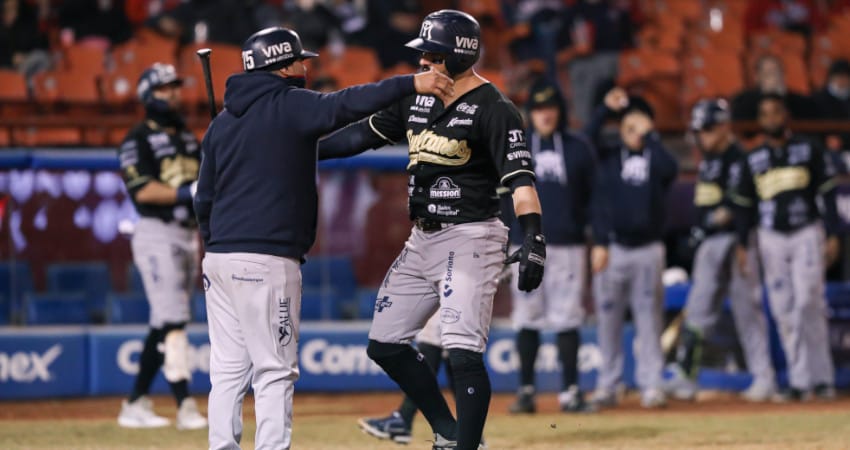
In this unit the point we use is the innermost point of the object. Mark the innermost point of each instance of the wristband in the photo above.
(530, 223)
(184, 194)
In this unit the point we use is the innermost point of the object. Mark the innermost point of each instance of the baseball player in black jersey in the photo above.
(715, 273)
(781, 183)
(462, 147)
(159, 160)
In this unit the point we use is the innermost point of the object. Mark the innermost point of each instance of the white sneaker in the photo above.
(653, 398)
(188, 416)
(680, 386)
(139, 414)
(759, 391)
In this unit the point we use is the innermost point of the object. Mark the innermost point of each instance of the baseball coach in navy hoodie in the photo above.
(256, 206)
(628, 210)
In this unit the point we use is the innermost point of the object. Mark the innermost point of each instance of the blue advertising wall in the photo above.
(80, 361)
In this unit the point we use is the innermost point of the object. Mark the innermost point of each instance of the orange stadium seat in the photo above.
(356, 65)
(46, 136)
(641, 65)
(494, 76)
(778, 42)
(119, 87)
(13, 86)
(722, 40)
(116, 136)
(711, 74)
(84, 59)
(796, 73)
(45, 87)
(137, 55)
(5, 137)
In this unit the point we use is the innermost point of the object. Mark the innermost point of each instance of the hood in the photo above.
(544, 93)
(243, 89)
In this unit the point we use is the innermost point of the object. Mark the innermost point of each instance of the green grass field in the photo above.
(328, 423)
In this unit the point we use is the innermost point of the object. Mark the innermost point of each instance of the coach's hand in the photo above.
(531, 257)
(598, 258)
(434, 83)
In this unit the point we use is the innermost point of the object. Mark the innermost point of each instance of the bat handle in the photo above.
(204, 55)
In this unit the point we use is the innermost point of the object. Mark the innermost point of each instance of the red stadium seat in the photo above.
(119, 87)
(13, 86)
(47, 136)
(136, 55)
(356, 65)
(84, 59)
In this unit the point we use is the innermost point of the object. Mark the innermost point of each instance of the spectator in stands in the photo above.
(389, 22)
(833, 101)
(769, 79)
(540, 29)
(799, 16)
(221, 21)
(98, 22)
(599, 30)
(314, 21)
(23, 46)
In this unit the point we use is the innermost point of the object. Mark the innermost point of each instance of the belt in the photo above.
(430, 225)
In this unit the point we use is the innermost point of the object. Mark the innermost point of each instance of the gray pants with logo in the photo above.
(253, 309)
(632, 279)
(557, 304)
(794, 273)
(454, 270)
(167, 258)
(717, 274)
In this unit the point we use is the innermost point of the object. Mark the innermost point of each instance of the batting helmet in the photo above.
(272, 49)
(454, 34)
(155, 76)
(708, 113)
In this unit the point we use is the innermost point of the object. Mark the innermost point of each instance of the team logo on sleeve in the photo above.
(445, 188)
(516, 138)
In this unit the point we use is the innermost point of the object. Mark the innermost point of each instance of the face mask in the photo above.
(776, 133)
(162, 113)
(298, 82)
(839, 93)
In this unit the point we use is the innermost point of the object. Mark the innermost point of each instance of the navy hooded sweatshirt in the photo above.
(257, 184)
(631, 187)
(564, 165)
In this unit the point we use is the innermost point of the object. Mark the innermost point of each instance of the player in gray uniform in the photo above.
(159, 161)
(257, 209)
(715, 273)
(783, 181)
(628, 213)
(564, 164)
(462, 147)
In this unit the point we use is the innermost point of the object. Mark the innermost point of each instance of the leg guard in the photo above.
(472, 392)
(176, 349)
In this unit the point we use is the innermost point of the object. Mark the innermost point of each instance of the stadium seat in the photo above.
(134, 279)
(13, 87)
(129, 307)
(199, 307)
(54, 308)
(84, 59)
(141, 52)
(336, 272)
(366, 303)
(47, 136)
(91, 278)
(324, 304)
(119, 87)
(15, 283)
(364, 59)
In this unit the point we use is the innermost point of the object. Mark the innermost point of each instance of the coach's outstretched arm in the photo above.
(323, 113)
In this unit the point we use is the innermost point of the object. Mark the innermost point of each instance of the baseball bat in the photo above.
(204, 55)
(671, 333)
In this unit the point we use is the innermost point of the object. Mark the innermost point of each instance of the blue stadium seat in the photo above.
(199, 307)
(131, 307)
(15, 283)
(322, 304)
(91, 278)
(336, 272)
(5, 310)
(54, 308)
(366, 303)
(134, 279)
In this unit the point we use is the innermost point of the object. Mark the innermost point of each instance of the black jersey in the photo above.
(148, 153)
(718, 173)
(780, 187)
(458, 155)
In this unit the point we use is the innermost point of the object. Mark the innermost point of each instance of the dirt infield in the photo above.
(328, 422)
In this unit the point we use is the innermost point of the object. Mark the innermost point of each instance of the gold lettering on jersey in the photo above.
(430, 147)
(776, 181)
(707, 194)
(178, 170)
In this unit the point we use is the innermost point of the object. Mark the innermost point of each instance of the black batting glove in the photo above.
(532, 255)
